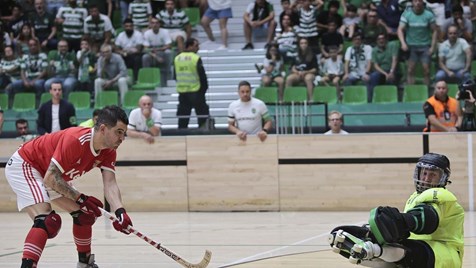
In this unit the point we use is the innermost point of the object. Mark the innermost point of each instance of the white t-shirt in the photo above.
(137, 121)
(127, 43)
(248, 115)
(219, 4)
(159, 39)
(332, 133)
(358, 61)
(55, 124)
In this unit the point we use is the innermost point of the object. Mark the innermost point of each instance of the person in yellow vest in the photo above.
(192, 85)
(428, 233)
(442, 112)
(92, 121)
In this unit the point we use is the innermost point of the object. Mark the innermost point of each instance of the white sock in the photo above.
(392, 254)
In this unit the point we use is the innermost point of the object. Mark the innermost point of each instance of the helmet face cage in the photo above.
(428, 176)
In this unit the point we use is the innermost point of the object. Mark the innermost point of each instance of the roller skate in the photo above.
(352, 247)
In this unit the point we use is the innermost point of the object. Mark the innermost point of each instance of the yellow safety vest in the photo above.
(186, 72)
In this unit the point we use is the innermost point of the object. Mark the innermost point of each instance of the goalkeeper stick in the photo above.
(204, 263)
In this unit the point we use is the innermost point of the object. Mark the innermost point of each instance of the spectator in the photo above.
(192, 85)
(140, 11)
(86, 66)
(105, 6)
(332, 70)
(176, 22)
(331, 38)
(289, 11)
(92, 121)
(71, 18)
(44, 26)
(248, 115)
(34, 67)
(417, 33)
(5, 39)
(221, 10)
(438, 8)
(22, 127)
(56, 114)
(258, 15)
(442, 112)
(98, 28)
(287, 40)
(372, 28)
(331, 14)
(129, 45)
(16, 21)
(111, 72)
(304, 69)
(463, 25)
(389, 15)
(351, 22)
(273, 67)
(469, 9)
(157, 45)
(308, 25)
(9, 71)
(385, 64)
(334, 121)
(357, 62)
(62, 69)
(21, 41)
(454, 58)
(145, 122)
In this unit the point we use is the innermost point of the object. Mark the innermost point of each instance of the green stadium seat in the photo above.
(325, 94)
(148, 79)
(81, 100)
(452, 90)
(295, 94)
(193, 14)
(268, 95)
(385, 94)
(23, 102)
(3, 101)
(131, 99)
(415, 93)
(105, 98)
(354, 95)
(45, 96)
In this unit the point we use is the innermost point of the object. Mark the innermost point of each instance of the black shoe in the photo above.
(258, 68)
(248, 46)
(267, 45)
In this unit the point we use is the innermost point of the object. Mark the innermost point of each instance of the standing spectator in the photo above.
(372, 28)
(463, 25)
(71, 18)
(124, 7)
(258, 15)
(304, 69)
(9, 71)
(44, 26)
(111, 71)
(389, 15)
(53, 161)
(86, 66)
(248, 115)
(332, 70)
(331, 14)
(34, 67)
(334, 121)
(62, 69)
(221, 10)
(145, 122)
(454, 58)
(385, 64)
(140, 11)
(351, 22)
(289, 11)
(442, 112)
(176, 22)
(129, 45)
(56, 114)
(357, 62)
(97, 28)
(157, 45)
(308, 25)
(287, 40)
(192, 85)
(273, 67)
(331, 38)
(418, 33)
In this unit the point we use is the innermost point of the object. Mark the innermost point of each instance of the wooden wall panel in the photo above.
(164, 148)
(226, 174)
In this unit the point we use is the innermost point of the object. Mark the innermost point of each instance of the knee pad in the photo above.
(83, 219)
(51, 223)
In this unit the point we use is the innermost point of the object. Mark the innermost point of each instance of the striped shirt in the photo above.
(308, 22)
(34, 65)
(140, 12)
(287, 41)
(97, 30)
(176, 21)
(73, 25)
(8, 66)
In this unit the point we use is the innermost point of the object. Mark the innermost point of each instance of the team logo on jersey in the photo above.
(79, 161)
(253, 110)
(74, 174)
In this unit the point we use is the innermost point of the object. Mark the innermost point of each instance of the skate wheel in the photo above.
(357, 249)
(335, 249)
(340, 238)
(330, 239)
(354, 260)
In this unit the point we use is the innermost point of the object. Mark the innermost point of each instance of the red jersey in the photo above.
(70, 149)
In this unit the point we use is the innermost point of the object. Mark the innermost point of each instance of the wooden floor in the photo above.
(241, 240)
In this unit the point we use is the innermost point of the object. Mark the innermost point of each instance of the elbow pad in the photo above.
(422, 219)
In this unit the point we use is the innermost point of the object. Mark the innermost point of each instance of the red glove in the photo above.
(89, 204)
(124, 221)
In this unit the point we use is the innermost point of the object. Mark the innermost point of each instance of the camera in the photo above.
(463, 87)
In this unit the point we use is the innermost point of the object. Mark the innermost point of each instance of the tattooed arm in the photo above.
(54, 180)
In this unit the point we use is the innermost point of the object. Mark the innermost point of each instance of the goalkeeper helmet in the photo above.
(431, 171)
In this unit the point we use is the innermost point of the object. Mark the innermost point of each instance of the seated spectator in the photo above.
(248, 115)
(9, 71)
(5, 39)
(145, 122)
(385, 64)
(331, 14)
(332, 70)
(176, 22)
(334, 121)
(351, 22)
(44, 25)
(221, 10)
(98, 28)
(442, 112)
(111, 72)
(454, 58)
(290, 11)
(62, 69)
(308, 25)
(258, 15)
(33, 67)
(71, 18)
(92, 121)
(464, 26)
(22, 127)
(304, 69)
(140, 11)
(129, 45)
(287, 40)
(273, 69)
(357, 64)
(333, 39)
(56, 114)
(86, 67)
(16, 21)
(389, 13)
(157, 45)
(372, 28)
(21, 41)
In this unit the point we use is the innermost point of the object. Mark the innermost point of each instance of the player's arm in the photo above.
(55, 181)
(113, 196)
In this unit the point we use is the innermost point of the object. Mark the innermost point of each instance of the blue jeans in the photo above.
(459, 75)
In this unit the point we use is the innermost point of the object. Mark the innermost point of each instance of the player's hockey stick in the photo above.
(204, 263)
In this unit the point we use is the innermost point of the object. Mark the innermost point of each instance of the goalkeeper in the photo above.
(428, 233)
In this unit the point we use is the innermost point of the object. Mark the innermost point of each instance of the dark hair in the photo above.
(190, 42)
(109, 116)
(244, 83)
(96, 112)
(128, 20)
(21, 121)
(306, 55)
(91, 6)
(457, 8)
(333, 3)
(351, 8)
(268, 54)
